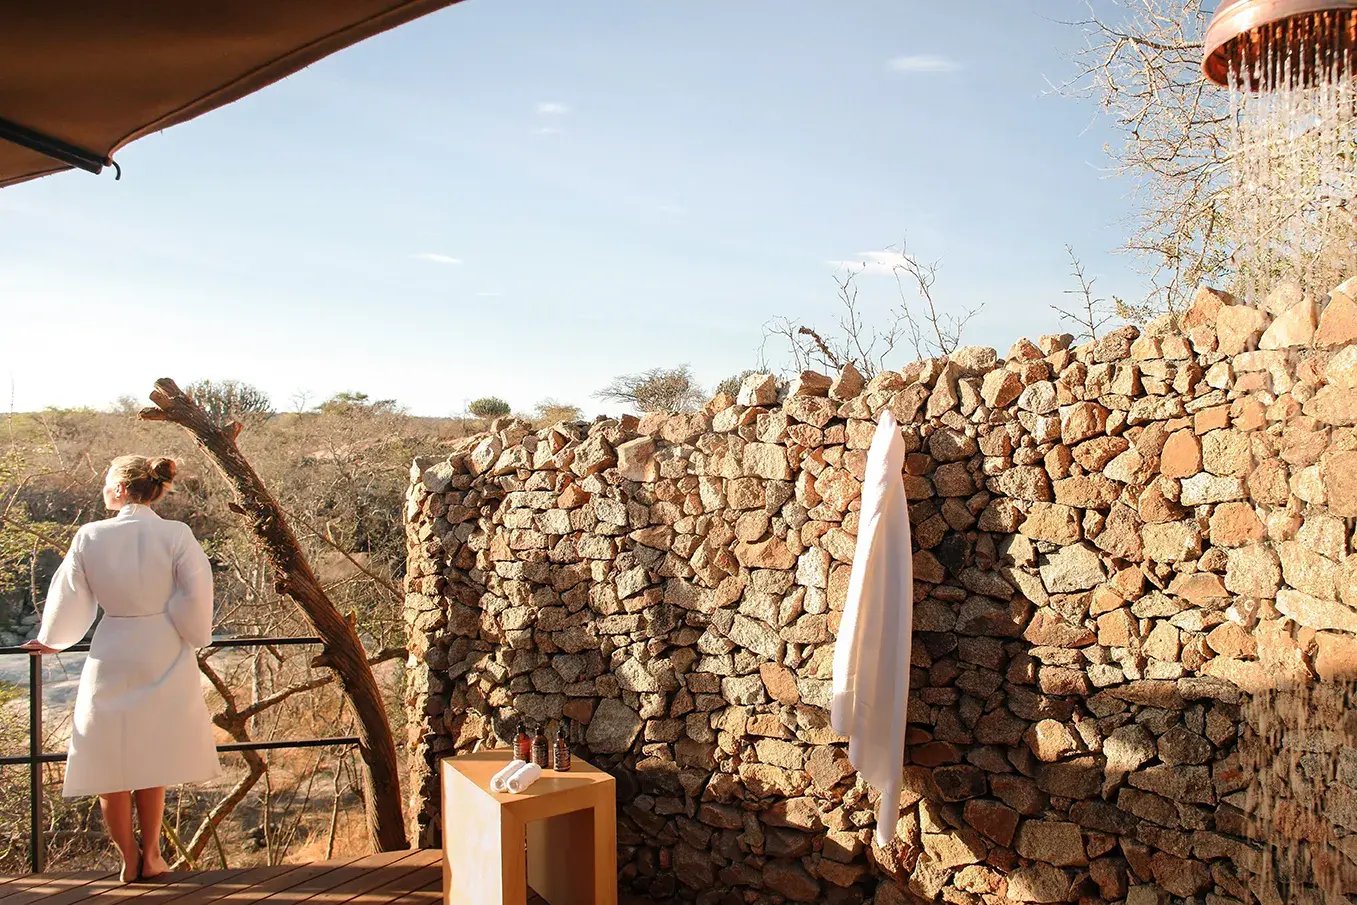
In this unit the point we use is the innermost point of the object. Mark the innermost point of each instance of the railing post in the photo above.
(34, 765)
(35, 757)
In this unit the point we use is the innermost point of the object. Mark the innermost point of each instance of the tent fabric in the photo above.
(99, 75)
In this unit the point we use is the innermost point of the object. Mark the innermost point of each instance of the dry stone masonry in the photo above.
(1117, 545)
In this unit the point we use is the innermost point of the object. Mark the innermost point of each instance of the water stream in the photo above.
(1292, 223)
(1292, 161)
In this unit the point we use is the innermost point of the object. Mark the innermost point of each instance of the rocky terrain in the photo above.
(1118, 544)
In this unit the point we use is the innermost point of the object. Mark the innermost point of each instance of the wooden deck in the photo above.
(391, 878)
(406, 877)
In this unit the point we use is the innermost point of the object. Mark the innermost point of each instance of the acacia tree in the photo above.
(1142, 64)
(553, 411)
(349, 402)
(23, 539)
(656, 390)
(230, 400)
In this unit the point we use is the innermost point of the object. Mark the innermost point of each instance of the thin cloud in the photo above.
(552, 108)
(873, 262)
(436, 258)
(489, 295)
(548, 130)
(657, 204)
(923, 62)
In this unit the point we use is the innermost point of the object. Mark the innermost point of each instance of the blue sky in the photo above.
(527, 198)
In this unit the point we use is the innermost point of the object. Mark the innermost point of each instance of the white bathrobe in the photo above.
(871, 657)
(140, 720)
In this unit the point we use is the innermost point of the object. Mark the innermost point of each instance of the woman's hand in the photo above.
(37, 648)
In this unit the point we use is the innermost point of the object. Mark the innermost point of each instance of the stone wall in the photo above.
(1116, 544)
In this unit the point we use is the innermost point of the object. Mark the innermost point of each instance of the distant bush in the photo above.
(656, 390)
(553, 411)
(488, 407)
(351, 403)
(731, 384)
(228, 400)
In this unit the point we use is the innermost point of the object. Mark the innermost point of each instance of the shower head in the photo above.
(1317, 38)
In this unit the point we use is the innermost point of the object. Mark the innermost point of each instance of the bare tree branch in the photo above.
(866, 343)
(946, 328)
(278, 697)
(294, 577)
(329, 542)
(1092, 313)
(1144, 71)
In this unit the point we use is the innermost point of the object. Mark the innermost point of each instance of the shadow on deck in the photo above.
(390, 878)
(407, 877)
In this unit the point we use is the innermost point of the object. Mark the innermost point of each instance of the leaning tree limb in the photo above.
(343, 651)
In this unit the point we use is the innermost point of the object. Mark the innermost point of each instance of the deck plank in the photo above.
(76, 894)
(407, 877)
(240, 885)
(381, 884)
(32, 887)
(155, 892)
(368, 875)
(259, 883)
(336, 876)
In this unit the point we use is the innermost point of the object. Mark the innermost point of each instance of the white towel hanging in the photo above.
(871, 656)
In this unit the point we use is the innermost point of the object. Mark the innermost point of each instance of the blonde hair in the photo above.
(145, 479)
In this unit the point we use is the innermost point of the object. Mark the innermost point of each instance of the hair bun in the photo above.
(163, 469)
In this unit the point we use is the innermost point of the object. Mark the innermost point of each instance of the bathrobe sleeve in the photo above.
(70, 608)
(190, 607)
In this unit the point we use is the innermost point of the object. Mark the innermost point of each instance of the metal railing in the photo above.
(36, 757)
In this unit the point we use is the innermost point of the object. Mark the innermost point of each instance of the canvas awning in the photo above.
(80, 79)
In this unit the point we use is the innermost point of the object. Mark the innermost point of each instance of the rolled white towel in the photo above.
(499, 779)
(525, 776)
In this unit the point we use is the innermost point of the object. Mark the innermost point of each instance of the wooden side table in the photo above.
(568, 821)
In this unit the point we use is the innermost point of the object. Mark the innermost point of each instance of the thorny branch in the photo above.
(855, 340)
(325, 538)
(1091, 313)
(236, 721)
(946, 328)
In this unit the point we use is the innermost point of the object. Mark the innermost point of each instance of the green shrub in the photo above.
(488, 407)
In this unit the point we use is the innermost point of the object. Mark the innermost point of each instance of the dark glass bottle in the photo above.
(522, 744)
(560, 753)
(541, 754)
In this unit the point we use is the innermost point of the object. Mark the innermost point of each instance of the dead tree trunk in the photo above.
(343, 652)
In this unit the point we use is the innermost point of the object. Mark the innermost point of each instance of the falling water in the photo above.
(1291, 221)
(1292, 160)
(1300, 747)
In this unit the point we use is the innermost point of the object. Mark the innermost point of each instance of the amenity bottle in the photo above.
(541, 754)
(560, 754)
(523, 744)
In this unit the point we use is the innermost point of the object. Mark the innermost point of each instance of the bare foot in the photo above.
(131, 870)
(153, 865)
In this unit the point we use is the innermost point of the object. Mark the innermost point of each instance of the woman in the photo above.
(140, 722)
